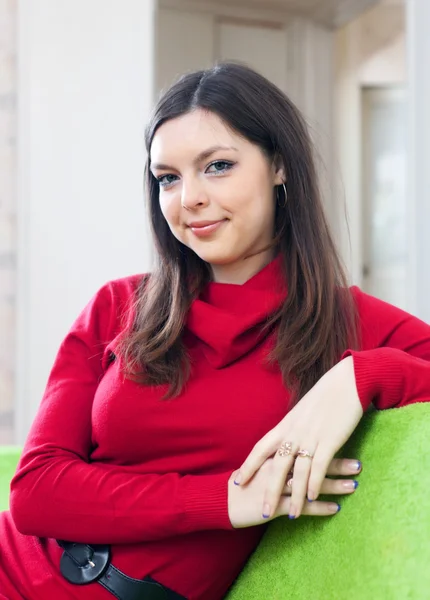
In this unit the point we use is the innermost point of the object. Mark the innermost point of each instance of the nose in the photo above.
(193, 195)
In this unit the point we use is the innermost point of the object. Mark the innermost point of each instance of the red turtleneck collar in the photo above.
(228, 318)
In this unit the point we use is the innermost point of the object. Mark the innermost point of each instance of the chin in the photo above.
(216, 259)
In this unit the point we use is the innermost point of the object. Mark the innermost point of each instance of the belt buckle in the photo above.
(82, 564)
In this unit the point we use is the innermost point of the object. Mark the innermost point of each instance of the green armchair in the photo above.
(376, 548)
(9, 456)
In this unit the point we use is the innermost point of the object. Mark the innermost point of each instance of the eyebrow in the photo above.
(199, 158)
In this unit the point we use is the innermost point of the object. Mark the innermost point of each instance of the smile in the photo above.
(205, 228)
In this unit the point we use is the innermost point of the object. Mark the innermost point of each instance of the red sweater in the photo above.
(108, 461)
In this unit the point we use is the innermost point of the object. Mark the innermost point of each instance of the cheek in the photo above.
(170, 208)
(257, 205)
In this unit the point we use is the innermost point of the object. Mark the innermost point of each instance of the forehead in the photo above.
(192, 133)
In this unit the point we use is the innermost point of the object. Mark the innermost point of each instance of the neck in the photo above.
(241, 271)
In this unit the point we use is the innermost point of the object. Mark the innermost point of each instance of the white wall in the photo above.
(369, 51)
(8, 152)
(185, 42)
(387, 66)
(85, 90)
(418, 60)
(311, 79)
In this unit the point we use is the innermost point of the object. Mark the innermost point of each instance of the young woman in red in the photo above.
(189, 407)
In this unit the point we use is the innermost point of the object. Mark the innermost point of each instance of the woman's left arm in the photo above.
(392, 369)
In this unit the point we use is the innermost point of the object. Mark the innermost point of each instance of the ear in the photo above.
(279, 174)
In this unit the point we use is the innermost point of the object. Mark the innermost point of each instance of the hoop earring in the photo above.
(284, 204)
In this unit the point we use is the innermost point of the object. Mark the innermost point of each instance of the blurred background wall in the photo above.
(8, 216)
(77, 83)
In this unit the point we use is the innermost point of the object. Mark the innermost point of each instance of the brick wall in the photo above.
(8, 216)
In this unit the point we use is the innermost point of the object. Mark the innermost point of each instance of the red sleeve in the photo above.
(58, 493)
(393, 367)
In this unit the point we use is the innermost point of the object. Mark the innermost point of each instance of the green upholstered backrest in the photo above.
(378, 546)
(9, 456)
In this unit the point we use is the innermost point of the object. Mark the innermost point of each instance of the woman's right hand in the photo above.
(244, 501)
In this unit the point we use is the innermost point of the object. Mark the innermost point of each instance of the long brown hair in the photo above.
(317, 321)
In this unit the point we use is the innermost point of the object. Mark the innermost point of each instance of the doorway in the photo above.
(384, 218)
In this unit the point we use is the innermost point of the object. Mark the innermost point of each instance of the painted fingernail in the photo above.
(266, 511)
(354, 465)
(291, 516)
(335, 507)
(237, 479)
(350, 485)
(311, 497)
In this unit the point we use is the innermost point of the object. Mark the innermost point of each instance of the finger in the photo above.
(319, 467)
(335, 487)
(316, 509)
(321, 508)
(280, 468)
(262, 450)
(288, 485)
(344, 466)
(302, 470)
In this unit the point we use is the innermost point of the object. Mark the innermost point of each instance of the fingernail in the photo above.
(335, 507)
(266, 511)
(237, 479)
(311, 497)
(350, 485)
(310, 500)
(338, 508)
(354, 465)
(291, 516)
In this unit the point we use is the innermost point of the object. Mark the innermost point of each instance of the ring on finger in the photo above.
(286, 449)
(304, 454)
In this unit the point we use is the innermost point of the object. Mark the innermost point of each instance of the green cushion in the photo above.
(9, 456)
(378, 546)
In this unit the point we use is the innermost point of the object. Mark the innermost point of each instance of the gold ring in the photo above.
(304, 454)
(286, 449)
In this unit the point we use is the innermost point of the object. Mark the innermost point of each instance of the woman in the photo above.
(187, 408)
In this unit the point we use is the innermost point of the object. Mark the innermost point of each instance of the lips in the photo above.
(198, 224)
(205, 228)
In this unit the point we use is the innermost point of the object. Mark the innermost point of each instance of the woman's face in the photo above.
(216, 190)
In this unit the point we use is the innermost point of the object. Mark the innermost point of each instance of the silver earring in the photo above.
(284, 203)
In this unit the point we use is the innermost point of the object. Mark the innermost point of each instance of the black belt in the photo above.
(82, 564)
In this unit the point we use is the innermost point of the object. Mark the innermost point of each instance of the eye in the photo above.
(166, 180)
(219, 167)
